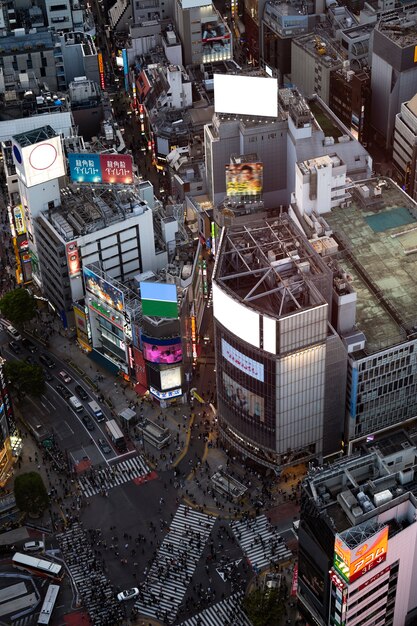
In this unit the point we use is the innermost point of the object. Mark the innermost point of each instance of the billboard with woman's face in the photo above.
(244, 179)
(171, 353)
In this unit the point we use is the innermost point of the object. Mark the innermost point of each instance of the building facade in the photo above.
(404, 150)
(358, 538)
(275, 350)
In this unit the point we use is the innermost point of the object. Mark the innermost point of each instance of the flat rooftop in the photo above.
(400, 27)
(379, 237)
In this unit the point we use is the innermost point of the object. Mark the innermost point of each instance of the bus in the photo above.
(116, 435)
(153, 433)
(48, 604)
(96, 411)
(38, 567)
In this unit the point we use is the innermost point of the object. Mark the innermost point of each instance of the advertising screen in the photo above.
(239, 319)
(101, 168)
(214, 35)
(170, 378)
(244, 179)
(233, 94)
(159, 299)
(354, 563)
(242, 362)
(73, 258)
(243, 399)
(140, 368)
(162, 354)
(19, 220)
(108, 294)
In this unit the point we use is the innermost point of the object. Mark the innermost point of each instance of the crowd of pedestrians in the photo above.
(86, 571)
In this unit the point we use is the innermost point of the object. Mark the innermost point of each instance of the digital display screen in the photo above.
(162, 354)
(244, 179)
(242, 399)
(108, 294)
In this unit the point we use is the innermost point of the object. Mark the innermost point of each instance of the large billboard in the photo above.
(242, 362)
(107, 293)
(39, 162)
(170, 378)
(243, 400)
(214, 36)
(157, 351)
(234, 94)
(244, 179)
(159, 299)
(101, 168)
(351, 564)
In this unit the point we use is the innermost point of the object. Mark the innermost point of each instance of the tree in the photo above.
(25, 378)
(18, 306)
(30, 493)
(264, 607)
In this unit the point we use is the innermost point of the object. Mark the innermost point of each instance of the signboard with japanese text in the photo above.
(101, 168)
(351, 564)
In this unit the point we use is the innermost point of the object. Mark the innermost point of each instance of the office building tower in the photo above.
(358, 538)
(404, 150)
(280, 366)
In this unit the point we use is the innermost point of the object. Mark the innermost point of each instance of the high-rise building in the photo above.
(404, 150)
(280, 366)
(10, 443)
(358, 538)
(394, 70)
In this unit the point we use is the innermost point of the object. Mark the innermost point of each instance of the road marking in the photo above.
(48, 401)
(69, 427)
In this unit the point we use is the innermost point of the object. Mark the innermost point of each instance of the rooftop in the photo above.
(400, 27)
(269, 265)
(320, 47)
(378, 235)
(35, 136)
(351, 494)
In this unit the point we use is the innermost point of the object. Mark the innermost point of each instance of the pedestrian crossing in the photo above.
(170, 574)
(228, 611)
(261, 542)
(101, 480)
(92, 585)
(26, 620)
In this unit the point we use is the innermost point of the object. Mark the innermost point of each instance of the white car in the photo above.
(34, 546)
(128, 594)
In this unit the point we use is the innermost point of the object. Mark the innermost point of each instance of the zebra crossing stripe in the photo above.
(171, 571)
(226, 611)
(114, 475)
(260, 542)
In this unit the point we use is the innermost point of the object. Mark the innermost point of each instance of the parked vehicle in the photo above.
(46, 360)
(81, 392)
(65, 376)
(104, 446)
(14, 347)
(29, 345)
(75, 404)
(33, 546)
(88, 422)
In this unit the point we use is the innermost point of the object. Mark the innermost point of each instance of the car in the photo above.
(63, 391)
(29, 345)
(33, 546)
(65, 377)
(14, 347)
(88, 422)
(47, 375)
(29, 359)
(81, 392)
(128, 594)
(46, 360)
(104, 446)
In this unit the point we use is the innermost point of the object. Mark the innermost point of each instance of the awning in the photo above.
(127, 414)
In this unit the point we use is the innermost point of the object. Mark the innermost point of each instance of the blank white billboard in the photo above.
(246, 95)
(240, 320)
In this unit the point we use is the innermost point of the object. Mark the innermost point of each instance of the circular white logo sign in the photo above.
(43, 156)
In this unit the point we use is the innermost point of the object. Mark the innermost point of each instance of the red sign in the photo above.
(140, 368)
(73, 257)
(294, 584)
(116, 168)
(374, 578)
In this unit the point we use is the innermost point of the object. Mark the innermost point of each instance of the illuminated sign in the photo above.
(107, 293)
(168, 353)
(170, 378)
(244, 179)
(81, 326)
(165, 395)
(242, 362)
(415, 54)
(194, 337)
(352, 564)
(73, 258)
(127, 326)
(159, 299)
(19, 220)
(40, 162)
(101, 168)
(101, 70)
